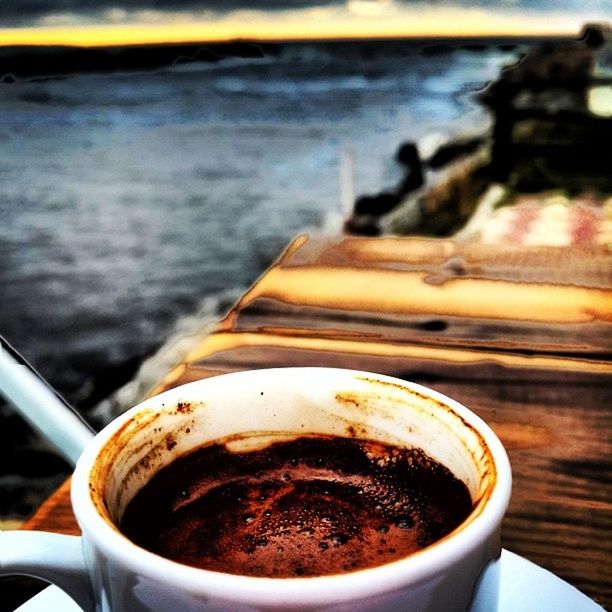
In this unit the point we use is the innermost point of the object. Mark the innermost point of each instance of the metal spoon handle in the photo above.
(45, 409)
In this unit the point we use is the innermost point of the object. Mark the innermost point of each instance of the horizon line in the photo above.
(126, 35)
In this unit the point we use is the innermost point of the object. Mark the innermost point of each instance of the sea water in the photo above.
(135, 207)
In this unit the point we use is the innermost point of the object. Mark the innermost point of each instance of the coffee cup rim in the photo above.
(304, 591)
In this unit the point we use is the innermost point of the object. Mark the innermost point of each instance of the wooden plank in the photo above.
(239, 350)
(273, 316)
(436, 292)
(55, 514)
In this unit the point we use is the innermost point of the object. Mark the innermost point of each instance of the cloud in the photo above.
(29, 12)
(368, 7)
(103, 22)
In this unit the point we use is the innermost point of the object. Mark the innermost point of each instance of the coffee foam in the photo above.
(311, 506)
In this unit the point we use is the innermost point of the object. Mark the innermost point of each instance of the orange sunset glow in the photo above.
(363, 20)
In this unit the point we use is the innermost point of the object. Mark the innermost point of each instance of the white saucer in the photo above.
(524, 587)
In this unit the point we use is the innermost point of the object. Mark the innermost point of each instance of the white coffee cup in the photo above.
(103, 570)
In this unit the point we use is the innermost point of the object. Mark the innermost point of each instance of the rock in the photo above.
(364, 225)
(376, 205)
(453, 150)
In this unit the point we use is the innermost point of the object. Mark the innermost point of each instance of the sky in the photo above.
(90, 22)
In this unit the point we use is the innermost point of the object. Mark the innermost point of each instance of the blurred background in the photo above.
(156, 157)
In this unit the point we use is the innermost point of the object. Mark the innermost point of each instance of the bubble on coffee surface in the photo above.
(310, 506)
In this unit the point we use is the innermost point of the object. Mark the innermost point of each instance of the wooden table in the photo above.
(520, 336)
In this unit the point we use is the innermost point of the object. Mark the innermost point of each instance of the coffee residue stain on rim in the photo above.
(184, 407)
(347, 398)
(100, 473)
(485, 460)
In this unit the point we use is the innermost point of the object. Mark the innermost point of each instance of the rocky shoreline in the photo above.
(551, 131)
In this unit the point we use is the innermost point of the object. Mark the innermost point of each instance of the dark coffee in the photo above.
(311, 506)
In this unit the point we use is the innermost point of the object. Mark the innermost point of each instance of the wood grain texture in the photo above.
(55, 514)
(535, 367)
